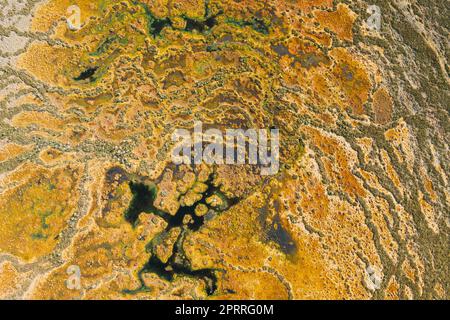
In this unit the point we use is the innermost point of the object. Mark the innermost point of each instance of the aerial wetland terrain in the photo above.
(93, 207)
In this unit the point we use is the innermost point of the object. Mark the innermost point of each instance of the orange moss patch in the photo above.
(393, 289)
(41, 119)
(339, 21)
(49, 64)
(351, 76)
(339, 168)
(382, 106)
(306, 6)
(9, 279)
(12, 150)
(34, 213)
(252, 285)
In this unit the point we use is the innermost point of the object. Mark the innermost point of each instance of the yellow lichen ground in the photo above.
(36, 211)
(290, 64)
